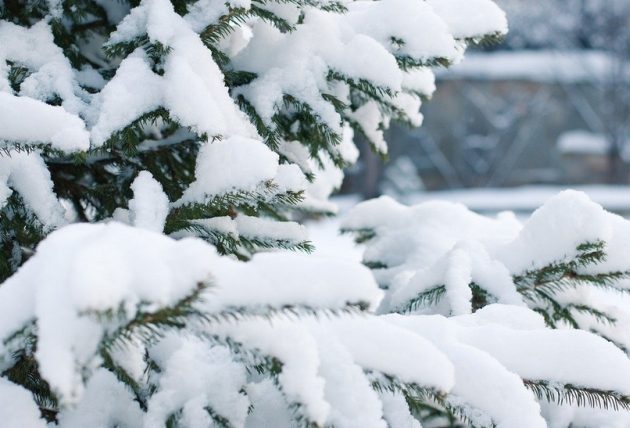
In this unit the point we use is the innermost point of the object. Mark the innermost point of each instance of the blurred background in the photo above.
(546, 109)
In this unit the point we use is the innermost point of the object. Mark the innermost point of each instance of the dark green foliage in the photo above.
(97, 182)
(583, 397)
(19, 235)
(430, 297)
(25, 372)
(426, 404)
(542, 287)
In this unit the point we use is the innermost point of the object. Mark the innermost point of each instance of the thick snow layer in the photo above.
(149, 206)
(55, 126)
(394, 351)
(52, 74)
(87, 269)
(471, 19)
(437, 226)
(556, 229)
(297, 349)
(354, 404)
(232, 165)
(556, 348)
(370, 119)
(307, 379)
(17, 407)
(84, 270)
(191, 88)
(106, 402)
(491, 352)
(419, 80)
(27, 174)
(194, 376)
(441, 243)
(292, 70)
(262, 228)
(132, 92)
(424, 34)
(326, 54)
(277, 280)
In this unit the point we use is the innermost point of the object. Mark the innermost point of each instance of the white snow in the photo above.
(27, 174)
(234, 164)
(132, 92)
(192, 87)
(370, 119)
(195, 375)
(424, 33)
(86, 281)
(17, 407)
(288, 279)
(52, 73)
(84, 269)
(262, 228)
(149, 206)
(106, 402)
(583, 142)
(55, 126)
(471, 19)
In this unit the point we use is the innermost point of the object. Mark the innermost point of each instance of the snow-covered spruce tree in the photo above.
(162, 127)
(150, 87)
(569, 263)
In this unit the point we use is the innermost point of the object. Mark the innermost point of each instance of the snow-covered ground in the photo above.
(527, 198)
(538, 66)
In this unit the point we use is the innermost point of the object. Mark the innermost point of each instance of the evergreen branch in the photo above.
(259, 363)
(361, 235)
(281, 24)
(408, 63)
(373, 265)
(600, 316)
(485, 39)
(558, 311)
(580, 396)
(17, 74)
(269, 134)
(123, 49)
(254, 244)
(359, 129)
(364, 86)
(418, 397)
(24, 371)
(109, 363)
(290, 312)
(219, 421)
(297, 121)
(150, 325)
(234, 78)
(224, 26)
(334, 6)
(429, 297)
(338, 105)
(128, 139)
